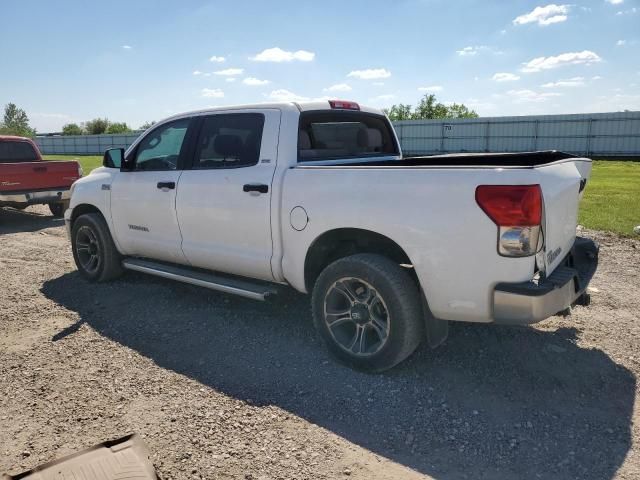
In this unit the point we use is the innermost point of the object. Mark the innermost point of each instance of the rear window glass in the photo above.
(337, 134)
(15, 152)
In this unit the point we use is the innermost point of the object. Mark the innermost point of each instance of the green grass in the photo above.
(612, 198)
(611, 201)
(88, 162)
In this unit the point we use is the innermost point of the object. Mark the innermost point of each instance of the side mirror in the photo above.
(113, 158)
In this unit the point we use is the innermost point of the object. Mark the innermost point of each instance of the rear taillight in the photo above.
(344, 105)
(80, 171)
(517, 211)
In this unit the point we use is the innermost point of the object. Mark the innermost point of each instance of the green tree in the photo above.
(72, 129)
(399, 112)
(429, 108)
(16, 122)
(461, 111)
(96, 126)
(147, 125)
(116, 127)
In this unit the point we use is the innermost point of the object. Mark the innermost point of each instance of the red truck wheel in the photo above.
(58, 208)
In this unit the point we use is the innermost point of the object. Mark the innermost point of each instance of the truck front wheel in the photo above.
(94, 252)
(367, 311)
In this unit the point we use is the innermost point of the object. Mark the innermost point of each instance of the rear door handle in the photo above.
(256, 187)
(169, 185)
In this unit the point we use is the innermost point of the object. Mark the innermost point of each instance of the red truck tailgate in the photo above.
(30, 176)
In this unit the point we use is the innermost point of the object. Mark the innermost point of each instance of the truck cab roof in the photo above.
(294, 107)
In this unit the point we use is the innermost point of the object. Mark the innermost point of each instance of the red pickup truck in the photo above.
(26, 179)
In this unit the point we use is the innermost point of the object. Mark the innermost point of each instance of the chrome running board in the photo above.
(235, 286)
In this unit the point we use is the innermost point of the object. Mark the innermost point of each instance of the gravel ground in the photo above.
(223, 387)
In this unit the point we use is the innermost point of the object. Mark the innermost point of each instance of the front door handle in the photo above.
(256, 187)
(169, 185)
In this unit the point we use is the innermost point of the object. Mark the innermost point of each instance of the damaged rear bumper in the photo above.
(529, 302)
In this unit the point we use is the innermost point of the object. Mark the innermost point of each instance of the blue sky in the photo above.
(133, 61)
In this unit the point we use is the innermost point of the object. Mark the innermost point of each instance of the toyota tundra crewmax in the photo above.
(318, 196)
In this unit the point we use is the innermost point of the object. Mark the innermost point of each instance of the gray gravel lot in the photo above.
(223, 387)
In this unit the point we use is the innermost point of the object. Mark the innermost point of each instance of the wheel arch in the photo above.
(342, 242)
(84, 208)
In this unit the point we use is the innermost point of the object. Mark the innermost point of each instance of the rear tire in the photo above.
(367, 311)
(94, 252)
(58, 208)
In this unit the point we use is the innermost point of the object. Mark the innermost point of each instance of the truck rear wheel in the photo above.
(58, 208)
(94, 252)
(367, 311)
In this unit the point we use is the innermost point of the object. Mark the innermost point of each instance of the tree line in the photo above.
(16, 121)
(429, 108)
(99, 126)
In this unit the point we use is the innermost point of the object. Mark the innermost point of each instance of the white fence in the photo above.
(595, 134)
(83, 144)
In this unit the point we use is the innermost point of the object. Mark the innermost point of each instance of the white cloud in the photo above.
(282, 95)
(388, 96)
(525, 95)
(597, 77)
(370, 73)
(432, 88)
(621, 43)
(378, 84)
(339, 87)
(212, 93)
(216, 59)
(473, 50)
(586, 57)
(231, 79)
(569, 82)
(505, 77)
(197, 72)
(254, 82)
(127, 47)
(229, 72)
(615, 2)
(278, 55)
(629, 11)
(382, 100)
(546, 15)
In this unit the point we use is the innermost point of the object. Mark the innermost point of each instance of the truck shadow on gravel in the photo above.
(494, 402)
(15, 221)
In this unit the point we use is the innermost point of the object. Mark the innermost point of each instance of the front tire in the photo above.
(367, 311)
(94, 252)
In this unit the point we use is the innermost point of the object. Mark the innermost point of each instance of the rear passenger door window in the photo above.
(230, 140)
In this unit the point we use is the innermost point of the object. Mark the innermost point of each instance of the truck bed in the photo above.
(481, 160)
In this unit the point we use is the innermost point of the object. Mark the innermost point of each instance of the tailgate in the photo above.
(562, 186)
(29, 176)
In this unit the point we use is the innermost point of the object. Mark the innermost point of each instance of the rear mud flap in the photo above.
(437, 331)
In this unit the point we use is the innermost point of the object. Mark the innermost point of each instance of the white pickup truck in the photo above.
(317, 196)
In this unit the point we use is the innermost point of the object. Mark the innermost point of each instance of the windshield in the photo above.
(17, 151)
(338, 134)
